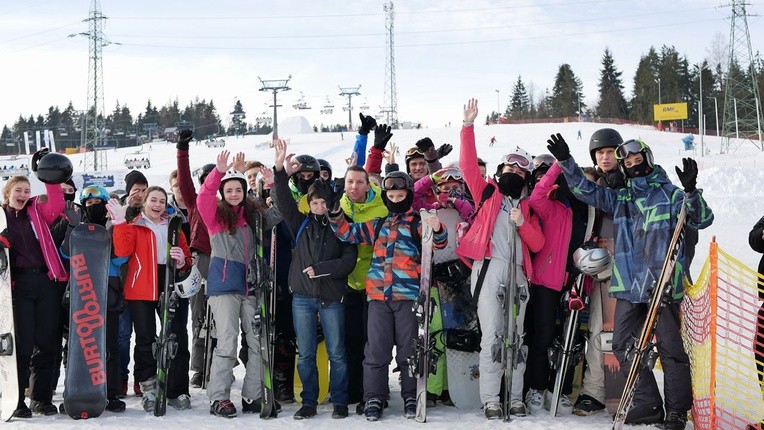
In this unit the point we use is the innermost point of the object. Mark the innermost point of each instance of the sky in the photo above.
(446, 51)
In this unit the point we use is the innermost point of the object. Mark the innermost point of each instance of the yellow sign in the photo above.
(670, 111)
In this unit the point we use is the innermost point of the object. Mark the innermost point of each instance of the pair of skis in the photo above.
(424, 344)
(265, 320)
(641, 353)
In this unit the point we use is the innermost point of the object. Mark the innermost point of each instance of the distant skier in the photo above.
(493, 140)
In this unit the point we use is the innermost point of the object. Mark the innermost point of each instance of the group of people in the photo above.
(347, 265)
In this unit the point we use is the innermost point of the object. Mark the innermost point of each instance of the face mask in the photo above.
(401, 206)
(69, 197)
(638, 170)
(96, 213)
(614, 179)
(511, 184)
(562, 192)
(304, 184)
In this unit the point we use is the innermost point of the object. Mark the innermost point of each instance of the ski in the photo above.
(85, 383)
(207, 328)
(567, 351)
(419, 363)
(8, 370)
(165, 346)
(640, 352)
(509, 337)
(263, 324)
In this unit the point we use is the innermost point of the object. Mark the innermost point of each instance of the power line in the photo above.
(39, 32)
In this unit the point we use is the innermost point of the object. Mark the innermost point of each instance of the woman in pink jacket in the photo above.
(501, 212)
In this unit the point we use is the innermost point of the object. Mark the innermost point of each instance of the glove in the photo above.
(177, 255)
(444, 150)
(116, 211)
(184, 138)
(558, 147)
(689, 176)
(335, 197)
(381, 136)
(73, 215)
(367, 123)
(37, 156)
(424, 144)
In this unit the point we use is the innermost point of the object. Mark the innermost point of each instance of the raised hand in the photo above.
(37, 156)
(292, 165)
(389, 154)
(424, 144)
(116, 211)
(558, 147)
(267, 174)
(470, 111)
(73, 214)
(352, 160)
(184, 138)
(238, 162)
(367, 123)
(689, 175)
(280, 146)
(381, 136)
(222, 162)
(444, 150)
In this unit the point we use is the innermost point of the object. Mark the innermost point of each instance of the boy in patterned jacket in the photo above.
(392, 285)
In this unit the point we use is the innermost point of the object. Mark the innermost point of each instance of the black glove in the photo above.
(381, 136)
(689, 175)
(184, 138)
(73, 215)
(367, 123)
(37, 156)
(444, 150)
(424, 144)
(333, 203)
(558, 147)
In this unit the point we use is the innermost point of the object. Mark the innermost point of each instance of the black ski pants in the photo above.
(356, 316)
(540, 329)
(36, 307)
(677, 385)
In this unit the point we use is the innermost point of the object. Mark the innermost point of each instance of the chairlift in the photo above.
(138, 160)
(328, 107)
(14, 166)
(364, 106)
(62, 131)
(301, 104)
(215, 143)
(183, 125)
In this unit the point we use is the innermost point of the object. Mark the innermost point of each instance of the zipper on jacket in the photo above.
(547, 262)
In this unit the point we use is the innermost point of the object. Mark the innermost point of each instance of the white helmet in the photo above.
(592, 261)
(234, 174)
(190, 284)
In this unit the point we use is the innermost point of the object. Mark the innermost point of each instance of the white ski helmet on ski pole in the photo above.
(592, 261)
(189, 283)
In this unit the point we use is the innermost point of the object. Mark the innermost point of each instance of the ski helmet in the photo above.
(189, 283)
(591, 260)
(206, 169)
(604, 138)
(54, 168)
(324, 165)
(451, 174)
(234, 174)
(634, 146)
(398, 181)
(520, 158)
(411, 154)
(94, 192)
(308, 163)
(541, 163)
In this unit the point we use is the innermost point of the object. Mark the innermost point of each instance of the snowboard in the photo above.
(9, 380)
(85, 383)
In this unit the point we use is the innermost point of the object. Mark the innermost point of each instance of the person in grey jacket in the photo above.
(318, 275)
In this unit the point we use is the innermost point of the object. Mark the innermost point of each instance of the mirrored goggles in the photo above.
(632, 146)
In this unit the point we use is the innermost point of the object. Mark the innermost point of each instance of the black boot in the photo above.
(675, 420)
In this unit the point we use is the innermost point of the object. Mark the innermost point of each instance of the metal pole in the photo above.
(659, 91)
(498, 107)
(701, 124)
(737, 131)
(275, 120)
(716, 111)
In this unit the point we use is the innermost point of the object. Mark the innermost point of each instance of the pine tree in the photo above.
(566, 93)
(612, 103)
(519, 106)
(645, 93)
(238, 115)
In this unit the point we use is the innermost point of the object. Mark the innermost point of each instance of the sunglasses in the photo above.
(395, 183)
(93, 193)
(629, 147)
(517, 160)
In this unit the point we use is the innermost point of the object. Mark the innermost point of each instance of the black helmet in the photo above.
(604, 138)
(308, 163)
(324, 165)
(398, 181)
(206, 169)
(54, 168)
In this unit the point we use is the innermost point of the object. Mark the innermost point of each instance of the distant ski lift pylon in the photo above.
(138, 160)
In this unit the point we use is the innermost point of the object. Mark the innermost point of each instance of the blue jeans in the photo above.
(305, 313)
(125, 331)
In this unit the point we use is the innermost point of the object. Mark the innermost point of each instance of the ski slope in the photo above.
(732, 185)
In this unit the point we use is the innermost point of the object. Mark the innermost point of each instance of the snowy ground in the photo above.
(732, 185)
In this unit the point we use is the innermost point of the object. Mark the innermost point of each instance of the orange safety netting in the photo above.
(720, 320)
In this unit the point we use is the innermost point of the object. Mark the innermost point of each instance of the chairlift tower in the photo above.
(275, 85)
(350, 92)
(94, 131)
(390, 106)
(741, 117)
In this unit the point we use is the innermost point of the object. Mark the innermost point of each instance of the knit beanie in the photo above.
(134, 177)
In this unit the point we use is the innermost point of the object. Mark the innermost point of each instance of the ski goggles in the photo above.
(543, 160)
(94, 193)
(452, 174)
(517, 160)
(630, 147)
(414, 152)
(395, 183)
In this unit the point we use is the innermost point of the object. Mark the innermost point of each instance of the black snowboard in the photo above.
(85, 384)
